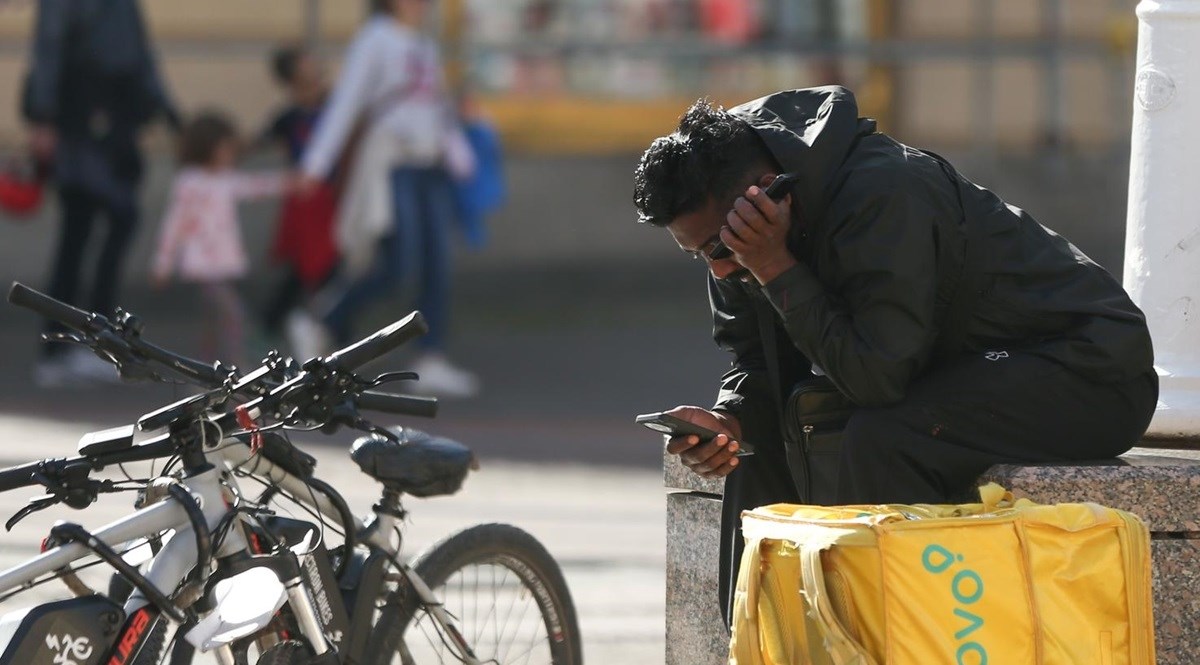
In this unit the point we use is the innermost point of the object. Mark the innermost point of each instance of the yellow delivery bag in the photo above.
(999, 582)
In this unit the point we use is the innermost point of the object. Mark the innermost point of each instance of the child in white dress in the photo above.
(200, 240)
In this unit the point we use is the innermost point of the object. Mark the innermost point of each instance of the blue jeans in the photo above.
(423, 205)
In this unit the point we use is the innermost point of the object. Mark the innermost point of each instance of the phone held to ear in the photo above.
(779, 186)
(664, 423)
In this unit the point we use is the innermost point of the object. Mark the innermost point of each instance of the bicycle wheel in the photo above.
(506, 596)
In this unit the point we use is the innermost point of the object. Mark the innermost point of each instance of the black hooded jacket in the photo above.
(93, 77)
(879, 234)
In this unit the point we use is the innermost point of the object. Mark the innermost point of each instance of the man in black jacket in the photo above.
(859, 267)
(92, 86)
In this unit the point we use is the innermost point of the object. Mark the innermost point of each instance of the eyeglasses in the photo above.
(713, 250)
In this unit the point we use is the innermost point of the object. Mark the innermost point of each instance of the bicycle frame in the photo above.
(170, 566)
(376, 535)
(167, 568)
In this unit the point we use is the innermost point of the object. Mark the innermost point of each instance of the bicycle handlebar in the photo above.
(385, 339)
(72, 317)
(116, 339)
(121, 339)
(400, 405)
(197, 371)
(23, 475)
(19, 476)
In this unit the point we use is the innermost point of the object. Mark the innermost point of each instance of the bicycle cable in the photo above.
(294, 500)
(58, 575)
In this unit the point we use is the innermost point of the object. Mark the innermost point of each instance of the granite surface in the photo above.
(696, 635)
(678, 476)
(1160, 486)
(1176, 588)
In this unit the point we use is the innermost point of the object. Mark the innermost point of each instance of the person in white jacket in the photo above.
(390, 126)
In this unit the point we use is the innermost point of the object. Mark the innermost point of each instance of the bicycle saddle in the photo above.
(419, 464)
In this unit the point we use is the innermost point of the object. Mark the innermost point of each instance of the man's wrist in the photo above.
(767, 273)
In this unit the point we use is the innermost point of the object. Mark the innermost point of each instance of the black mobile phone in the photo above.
(671, 426)
(776, 190)
(779, 186)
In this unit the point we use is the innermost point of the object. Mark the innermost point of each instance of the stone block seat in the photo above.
(1162, 486)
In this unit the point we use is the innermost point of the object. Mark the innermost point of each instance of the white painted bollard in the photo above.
(1162, 242)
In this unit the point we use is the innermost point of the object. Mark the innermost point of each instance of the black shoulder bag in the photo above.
(815, 412)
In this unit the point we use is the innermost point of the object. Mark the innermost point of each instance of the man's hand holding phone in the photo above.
(714, 458)
(756, 228)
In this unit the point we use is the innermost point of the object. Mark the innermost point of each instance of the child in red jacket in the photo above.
(303, 242)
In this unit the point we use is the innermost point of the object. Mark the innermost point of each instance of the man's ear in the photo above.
(766, 179)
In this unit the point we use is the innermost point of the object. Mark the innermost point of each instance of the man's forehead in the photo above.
(693, 229)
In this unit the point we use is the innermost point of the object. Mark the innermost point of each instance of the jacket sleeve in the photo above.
(873, 329)
(746, 388)
(40, 98)
(347, 103)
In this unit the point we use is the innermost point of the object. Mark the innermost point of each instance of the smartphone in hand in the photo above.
(776, 190)
(664, 423)
(779, 186)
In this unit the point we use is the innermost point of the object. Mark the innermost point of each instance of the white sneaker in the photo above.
(441, 379)
(87, 367)
(52, 372)
(74, 368)
(306, 336)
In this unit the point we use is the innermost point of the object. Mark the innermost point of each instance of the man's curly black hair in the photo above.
(708, 156)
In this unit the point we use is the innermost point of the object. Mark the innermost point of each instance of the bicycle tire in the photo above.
(500, 549)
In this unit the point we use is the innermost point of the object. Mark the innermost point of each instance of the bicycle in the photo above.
(354, 603)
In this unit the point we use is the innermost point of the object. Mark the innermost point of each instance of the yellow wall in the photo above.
(222, 19)
(930, 101)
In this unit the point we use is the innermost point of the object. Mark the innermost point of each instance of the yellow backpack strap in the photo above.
(838, 643)
(745, 646)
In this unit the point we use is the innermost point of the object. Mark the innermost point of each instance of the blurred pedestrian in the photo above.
(390, 110)
(199, 239)
(92, 85)
(304, 233)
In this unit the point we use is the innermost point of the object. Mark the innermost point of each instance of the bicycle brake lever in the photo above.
(391, 377)
(34, 505)
(66, 338)
(364, 425)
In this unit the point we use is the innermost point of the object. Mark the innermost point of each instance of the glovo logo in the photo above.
(967, 588)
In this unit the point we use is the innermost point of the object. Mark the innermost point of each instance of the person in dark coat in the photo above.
(857, 267)
(92, 85)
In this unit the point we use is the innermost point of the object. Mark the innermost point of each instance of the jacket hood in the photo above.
(809, 131)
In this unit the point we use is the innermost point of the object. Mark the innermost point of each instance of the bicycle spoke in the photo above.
(521, 618)
(506, 631)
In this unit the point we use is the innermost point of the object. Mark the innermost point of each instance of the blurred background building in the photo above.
(978, 74)
(586, 80)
